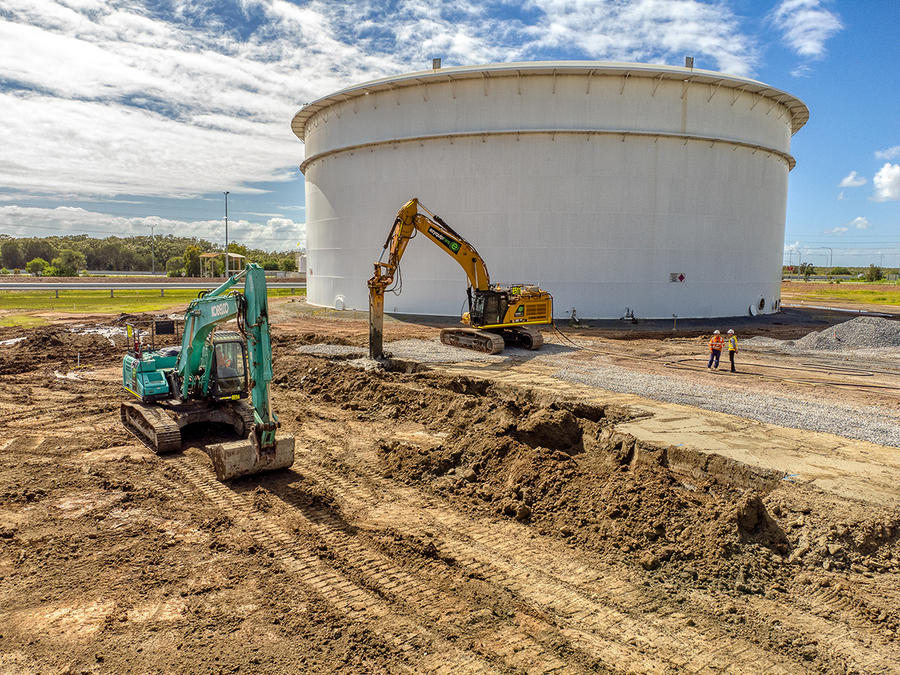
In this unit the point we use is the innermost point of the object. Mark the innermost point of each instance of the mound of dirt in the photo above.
(560, 466)
(865, 332)
(56, 347)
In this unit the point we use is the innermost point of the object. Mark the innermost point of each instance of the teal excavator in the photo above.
(215, 376)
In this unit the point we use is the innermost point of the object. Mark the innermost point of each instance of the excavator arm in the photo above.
(251, 310)
(413, 217)
(410, 220)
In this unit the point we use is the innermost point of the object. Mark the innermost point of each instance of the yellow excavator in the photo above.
(498, 315)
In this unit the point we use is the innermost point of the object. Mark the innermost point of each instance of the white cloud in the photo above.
(806, 25)
(889, 153)
(277, 233)
(792, 248)
(841, 196)
(644, 30)
(887, 183)
(852, 180)
(121, 97)
(860, 223)
(836, 230)
(89, 148)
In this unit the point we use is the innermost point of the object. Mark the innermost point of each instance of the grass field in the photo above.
(886, 294)
(23, 320)
(82, 301)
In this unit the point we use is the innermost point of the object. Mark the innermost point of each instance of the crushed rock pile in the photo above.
(861, 333)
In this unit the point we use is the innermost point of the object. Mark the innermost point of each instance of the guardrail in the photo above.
(138, 286)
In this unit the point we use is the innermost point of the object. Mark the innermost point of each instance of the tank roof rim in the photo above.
(799, 111)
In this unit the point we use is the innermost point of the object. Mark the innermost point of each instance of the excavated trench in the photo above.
(561, 467)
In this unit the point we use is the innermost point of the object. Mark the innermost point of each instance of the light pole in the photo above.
(152, 249)
(226, 235)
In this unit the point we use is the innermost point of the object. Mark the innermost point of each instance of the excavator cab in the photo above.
(489, 307)
(230, 363)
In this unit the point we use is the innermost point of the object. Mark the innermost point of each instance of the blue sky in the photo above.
(116, 115)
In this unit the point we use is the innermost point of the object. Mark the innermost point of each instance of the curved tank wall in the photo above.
(616, 187)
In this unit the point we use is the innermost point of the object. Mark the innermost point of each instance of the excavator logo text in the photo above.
(445, 240)
(219, 310)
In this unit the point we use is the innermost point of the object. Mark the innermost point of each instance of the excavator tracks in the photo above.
(472, 338)
(528, 338)
(152, 426)
(244, 410)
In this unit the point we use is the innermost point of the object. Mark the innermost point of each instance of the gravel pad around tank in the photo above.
(421, 351)
(873, 424)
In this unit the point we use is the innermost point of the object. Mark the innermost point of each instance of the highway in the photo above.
(113, 286)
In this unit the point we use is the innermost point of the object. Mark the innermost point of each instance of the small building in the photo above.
(236, 263)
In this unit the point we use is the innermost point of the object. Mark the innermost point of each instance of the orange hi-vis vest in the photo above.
(716, 343)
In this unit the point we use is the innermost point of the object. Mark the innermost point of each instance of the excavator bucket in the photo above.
(244, 458)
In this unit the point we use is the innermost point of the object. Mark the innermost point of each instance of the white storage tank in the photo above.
(618, 187)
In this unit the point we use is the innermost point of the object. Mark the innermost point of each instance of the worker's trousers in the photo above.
(731, 358)
(714, 355)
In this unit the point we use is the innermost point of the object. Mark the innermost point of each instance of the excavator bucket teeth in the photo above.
(243, 458)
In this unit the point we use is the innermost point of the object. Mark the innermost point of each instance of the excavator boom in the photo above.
(497, 314)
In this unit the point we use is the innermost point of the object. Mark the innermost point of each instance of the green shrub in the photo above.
(175, 267)
(68, 262)
(37, 266)
(874, 273)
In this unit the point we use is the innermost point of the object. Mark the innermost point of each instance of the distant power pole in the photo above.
(226, 234)
(152, 249)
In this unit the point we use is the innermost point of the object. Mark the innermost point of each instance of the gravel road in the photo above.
(875, 424)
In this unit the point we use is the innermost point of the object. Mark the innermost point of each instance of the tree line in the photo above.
(175, 256)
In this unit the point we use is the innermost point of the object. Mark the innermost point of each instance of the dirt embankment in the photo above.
(429, 522)
(561, 467)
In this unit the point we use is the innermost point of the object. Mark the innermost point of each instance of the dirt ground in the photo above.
(456, 518)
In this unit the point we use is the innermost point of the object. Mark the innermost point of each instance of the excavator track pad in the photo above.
(152, 426)
(472, 338)
(525, 337)
(243, 458)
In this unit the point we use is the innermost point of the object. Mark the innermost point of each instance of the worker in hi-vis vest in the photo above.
(715, 349)
(732, 348)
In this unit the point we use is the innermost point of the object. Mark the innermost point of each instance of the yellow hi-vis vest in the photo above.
(732, 343)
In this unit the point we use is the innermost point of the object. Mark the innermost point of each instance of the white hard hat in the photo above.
(715, 332)
(730, 332)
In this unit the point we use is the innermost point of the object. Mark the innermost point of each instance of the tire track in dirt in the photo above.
(434, 653)
(589, 599)
(417, 594)
(609, 617)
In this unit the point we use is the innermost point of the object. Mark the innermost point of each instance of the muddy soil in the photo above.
(430, 522)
